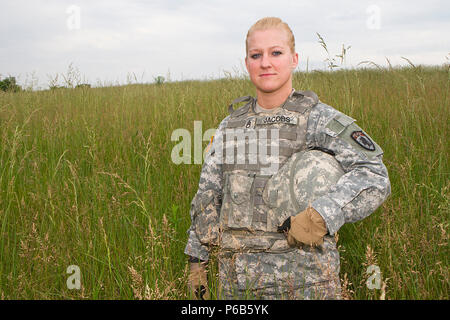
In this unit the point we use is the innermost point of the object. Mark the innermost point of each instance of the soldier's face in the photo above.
(269, 60)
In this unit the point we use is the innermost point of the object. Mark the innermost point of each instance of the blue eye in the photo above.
(255, 56)
(277, 53)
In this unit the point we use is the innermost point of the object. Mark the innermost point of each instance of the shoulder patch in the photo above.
(354, 135)
(363, 140)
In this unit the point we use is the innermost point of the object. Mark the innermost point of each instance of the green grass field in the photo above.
(86, 179)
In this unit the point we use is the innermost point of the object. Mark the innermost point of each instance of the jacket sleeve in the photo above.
(365, 184)
(206, 204)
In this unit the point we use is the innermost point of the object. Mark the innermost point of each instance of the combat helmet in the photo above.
(305, 177)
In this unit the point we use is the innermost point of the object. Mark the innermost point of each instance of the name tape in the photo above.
(277, 119)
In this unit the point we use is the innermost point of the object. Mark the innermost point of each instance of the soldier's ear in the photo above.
(294, 61)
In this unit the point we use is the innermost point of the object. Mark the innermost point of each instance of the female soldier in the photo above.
(274, 229)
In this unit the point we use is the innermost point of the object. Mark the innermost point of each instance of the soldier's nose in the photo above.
(265, 63)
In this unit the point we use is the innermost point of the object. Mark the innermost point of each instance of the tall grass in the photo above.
(86, 179)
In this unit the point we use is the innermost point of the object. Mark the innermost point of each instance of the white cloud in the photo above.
(200, 39)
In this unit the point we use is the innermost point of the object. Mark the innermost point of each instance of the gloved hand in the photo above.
(307, 227)
(197, 282)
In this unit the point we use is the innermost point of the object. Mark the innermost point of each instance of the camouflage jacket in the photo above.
(360, 191)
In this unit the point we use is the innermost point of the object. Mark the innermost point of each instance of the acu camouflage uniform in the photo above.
(237, 206)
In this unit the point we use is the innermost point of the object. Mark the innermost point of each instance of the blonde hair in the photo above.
(269, 23)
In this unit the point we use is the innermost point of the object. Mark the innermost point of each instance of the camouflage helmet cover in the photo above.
(306, 176)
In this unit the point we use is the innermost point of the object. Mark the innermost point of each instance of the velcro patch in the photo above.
(277, 119)
(339, 123)
(363, 140)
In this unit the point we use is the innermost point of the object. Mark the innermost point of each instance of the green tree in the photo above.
(9, 84)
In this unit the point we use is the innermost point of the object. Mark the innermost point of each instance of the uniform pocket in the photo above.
(241, 213)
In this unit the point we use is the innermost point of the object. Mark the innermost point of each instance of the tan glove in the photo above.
(198, 282)
(307, 227)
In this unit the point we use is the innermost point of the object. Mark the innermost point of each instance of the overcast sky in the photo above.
(109, 41)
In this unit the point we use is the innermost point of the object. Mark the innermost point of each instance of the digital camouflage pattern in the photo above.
(234, 209)
(306, 273)
(307, 176)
